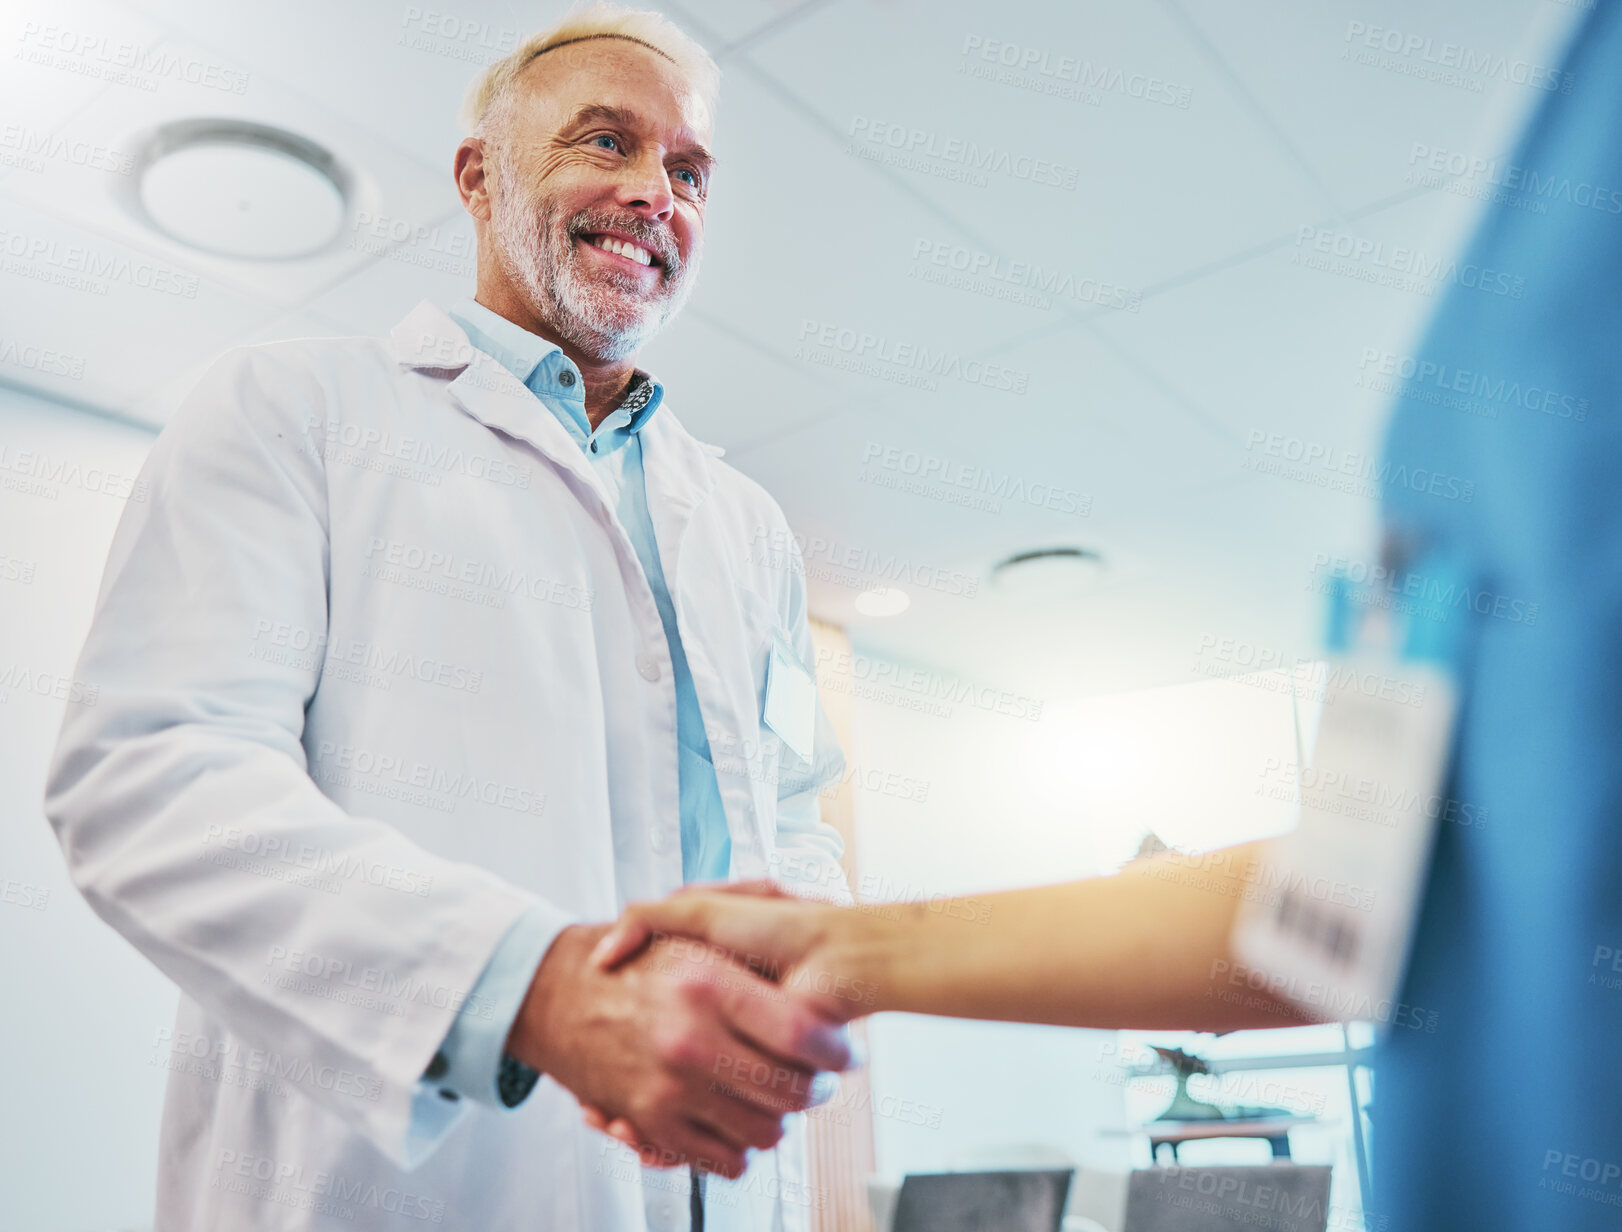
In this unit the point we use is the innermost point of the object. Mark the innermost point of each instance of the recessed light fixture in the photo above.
(1048, 573)
(883, 601)
(235, 188)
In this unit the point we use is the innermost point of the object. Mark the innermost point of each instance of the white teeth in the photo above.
(623, 248)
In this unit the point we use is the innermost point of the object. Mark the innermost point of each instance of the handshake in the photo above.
(689, 1028)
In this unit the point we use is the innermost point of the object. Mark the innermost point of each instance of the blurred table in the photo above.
(1275, 1131)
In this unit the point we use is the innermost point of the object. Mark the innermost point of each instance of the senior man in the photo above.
(424, 652)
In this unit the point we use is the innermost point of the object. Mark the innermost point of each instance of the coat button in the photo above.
(659, 840)
(648, 666)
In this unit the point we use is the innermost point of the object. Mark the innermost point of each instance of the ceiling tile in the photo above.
(62, 56)
(392, 194)
(1110, 150)
(1367, 120)
(395, 71)
(833, 267)
(92, 319)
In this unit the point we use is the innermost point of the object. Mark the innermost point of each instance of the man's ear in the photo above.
(472, 177)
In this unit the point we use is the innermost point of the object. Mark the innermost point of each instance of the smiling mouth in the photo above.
(622, 248)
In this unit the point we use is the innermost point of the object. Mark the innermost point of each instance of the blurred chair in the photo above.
(1282, 1197)
(1022, 1200)
(1096, 1200)
(884, 1192)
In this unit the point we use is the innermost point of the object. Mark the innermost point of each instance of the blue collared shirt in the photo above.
(470, 1058)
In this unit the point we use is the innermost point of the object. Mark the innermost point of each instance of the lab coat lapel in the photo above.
(430, 340)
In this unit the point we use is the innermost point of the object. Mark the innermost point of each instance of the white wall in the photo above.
(78, 1137)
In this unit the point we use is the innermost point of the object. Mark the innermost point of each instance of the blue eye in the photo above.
(692, 176)
(613, 142)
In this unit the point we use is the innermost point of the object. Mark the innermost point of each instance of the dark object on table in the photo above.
(1187, 1118)
(1184, 1107)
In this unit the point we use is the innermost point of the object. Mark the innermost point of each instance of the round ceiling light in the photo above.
(239, 189)
(1048, 573)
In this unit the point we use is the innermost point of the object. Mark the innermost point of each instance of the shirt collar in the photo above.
(553, 377)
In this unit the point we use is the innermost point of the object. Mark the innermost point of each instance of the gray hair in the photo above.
(491, 94)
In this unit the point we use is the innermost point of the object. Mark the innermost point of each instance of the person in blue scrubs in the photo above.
(1508, 1116)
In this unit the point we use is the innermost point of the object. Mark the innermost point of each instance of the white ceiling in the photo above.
(1147, 417)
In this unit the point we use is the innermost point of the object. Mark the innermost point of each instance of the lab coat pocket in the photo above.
(790, 706)
(782, 715)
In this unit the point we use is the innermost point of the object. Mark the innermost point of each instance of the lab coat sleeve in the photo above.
(473, 1050)
(808, 848)
(191, 759)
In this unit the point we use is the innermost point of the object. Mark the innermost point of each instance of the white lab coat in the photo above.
(377, 669)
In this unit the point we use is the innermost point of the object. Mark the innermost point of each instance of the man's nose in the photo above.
(645, 188)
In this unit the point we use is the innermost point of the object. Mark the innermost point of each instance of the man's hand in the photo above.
(704, 1056)
(788, 940)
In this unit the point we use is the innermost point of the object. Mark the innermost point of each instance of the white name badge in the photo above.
(791, 700)
(1331, 908)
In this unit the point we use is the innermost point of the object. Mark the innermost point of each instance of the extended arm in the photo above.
(1146, 948)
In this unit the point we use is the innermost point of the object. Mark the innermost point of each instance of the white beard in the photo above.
(606, 315)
